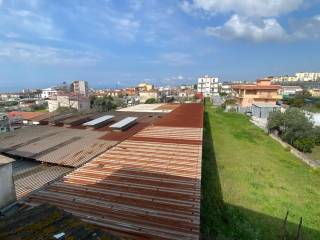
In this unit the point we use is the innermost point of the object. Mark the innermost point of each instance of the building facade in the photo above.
(208, 86)
(80, 103)
(145, 95)
(49, 92)
(308, 76)
(290, 90)
(145, 87)
(80, 88)
(300, 76)
(4, 123)
(260, 92)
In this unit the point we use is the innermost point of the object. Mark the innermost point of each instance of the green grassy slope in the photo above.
(249, 182)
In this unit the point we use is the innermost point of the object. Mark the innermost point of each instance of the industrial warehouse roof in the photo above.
(57, 145)
(30, 175)
(148, 186)
(48, 222)
(159, 107)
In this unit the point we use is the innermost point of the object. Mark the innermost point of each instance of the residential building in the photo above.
(308, 76)
(290, 90)
(145, 87)
(4, 123)
(81, 103)
(260, 92)
(300, 76)
(80, 87)
(225, 88)
(186, 93)
(285, 78)
(315, 92)
(145, 95)
(49, 92)
(208, 86)
(130, 91)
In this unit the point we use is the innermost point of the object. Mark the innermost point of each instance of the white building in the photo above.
(290, 90)
(285, 78)
(80, 87)
(80, 103)
(308, 76)
(225, 88)
(49, 92)
(208, 86)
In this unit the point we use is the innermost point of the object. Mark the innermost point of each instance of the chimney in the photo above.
(7, 189)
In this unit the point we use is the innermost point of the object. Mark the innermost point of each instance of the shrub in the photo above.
(295, 128)
(151, 100)
(304, 144)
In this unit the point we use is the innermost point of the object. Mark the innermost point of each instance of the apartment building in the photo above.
(300, 76)
(49, 92)
(208, 86)
(290, 90)
(308, 76)
(81, 103)
(4, 123)
(263, 91)
(80, 88)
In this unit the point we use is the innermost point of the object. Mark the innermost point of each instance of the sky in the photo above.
(119, 43)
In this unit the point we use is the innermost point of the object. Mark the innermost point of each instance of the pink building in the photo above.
(260, 92)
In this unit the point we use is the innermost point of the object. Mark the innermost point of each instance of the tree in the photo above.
(295, 128)
(150, 101)
(275, 121)
(104, 104)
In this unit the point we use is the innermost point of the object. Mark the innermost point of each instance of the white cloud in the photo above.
(29, 53)
(238, 27)
(177, 59)
(306, 28)
(11, 35)
(263, 8)
(28, 22)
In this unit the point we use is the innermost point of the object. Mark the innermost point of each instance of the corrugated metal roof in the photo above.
(99, 120)
(36, 177)
(138, 189)
(58, 145)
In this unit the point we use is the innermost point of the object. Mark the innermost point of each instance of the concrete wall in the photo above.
(7, 190)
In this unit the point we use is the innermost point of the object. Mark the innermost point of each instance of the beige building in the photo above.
(145, 95)
(80, 103)
(145, 87)
(260, 92)
(80, 88)
(315, 92)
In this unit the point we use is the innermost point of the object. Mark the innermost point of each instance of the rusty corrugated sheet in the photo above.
(56, 145)
(36, 177)
(139, 189)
